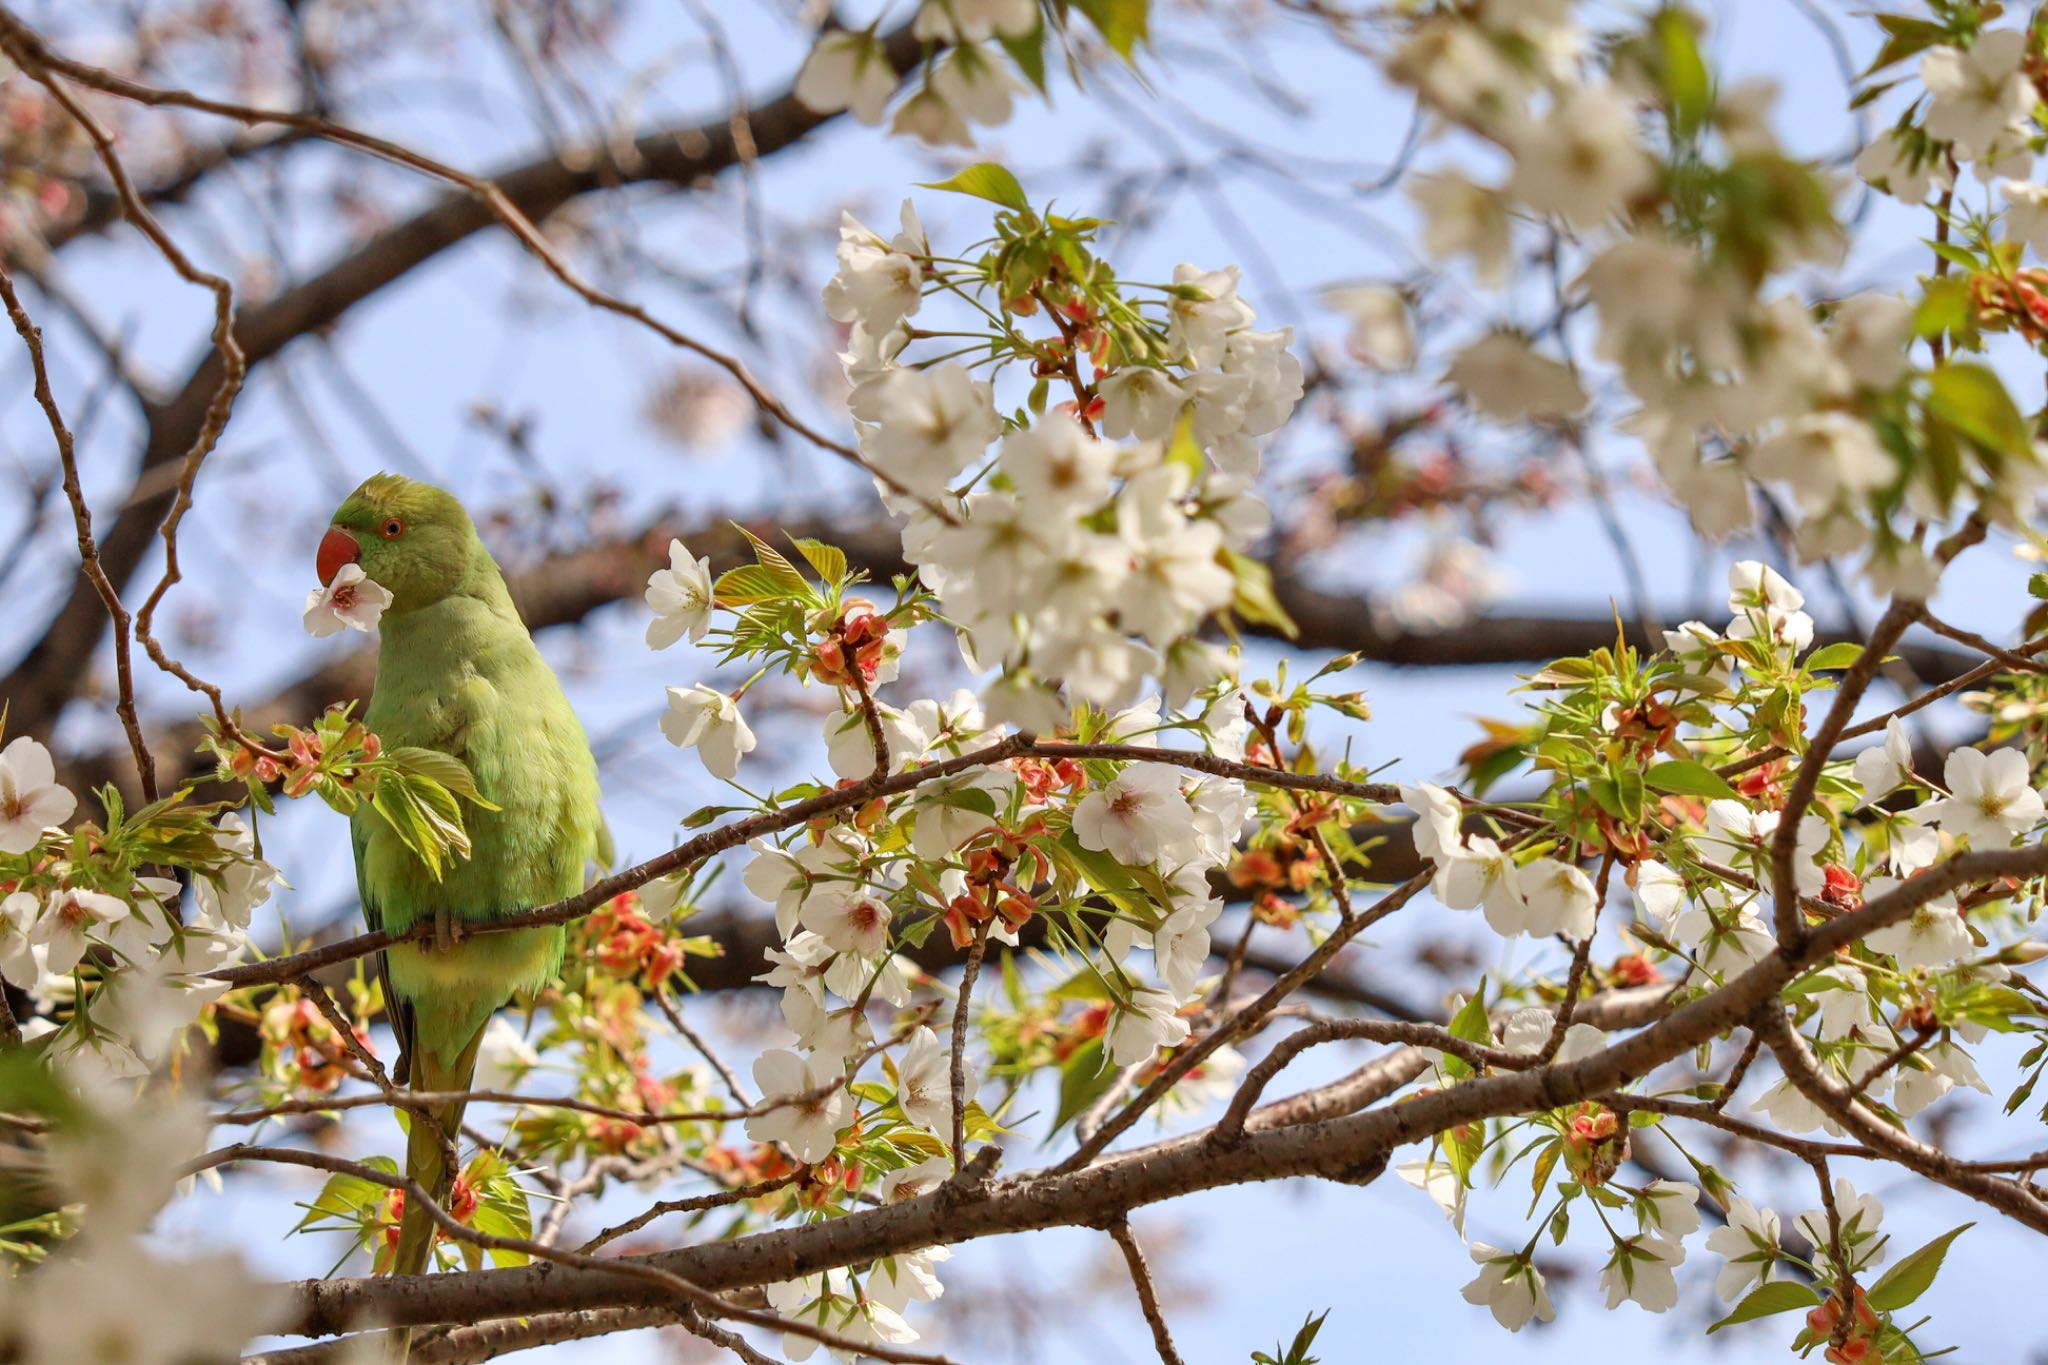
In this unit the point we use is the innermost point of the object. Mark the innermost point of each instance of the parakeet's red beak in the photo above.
(337, 548)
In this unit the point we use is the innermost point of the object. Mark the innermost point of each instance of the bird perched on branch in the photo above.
(457, 672)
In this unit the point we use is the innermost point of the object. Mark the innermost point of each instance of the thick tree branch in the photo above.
(1351, 1147)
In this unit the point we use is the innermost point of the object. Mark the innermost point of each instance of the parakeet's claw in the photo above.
(444, 931)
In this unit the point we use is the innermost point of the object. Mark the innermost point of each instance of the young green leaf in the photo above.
(1910, 1278)
(985, 180)
(1684, 777)
(1780, 1296)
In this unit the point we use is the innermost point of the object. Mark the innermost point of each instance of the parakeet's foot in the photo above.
(447, 931)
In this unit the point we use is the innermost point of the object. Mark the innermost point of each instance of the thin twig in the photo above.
(2012, 659)
(959, 1065)
(698, 1203)
(88, 548)
(234, 369)
(674, 1013)
(1148, 1296)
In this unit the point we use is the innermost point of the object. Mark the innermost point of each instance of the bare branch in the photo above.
(1148, 1295)
(88, 548)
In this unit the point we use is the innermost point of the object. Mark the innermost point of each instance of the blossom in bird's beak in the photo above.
(351, 599)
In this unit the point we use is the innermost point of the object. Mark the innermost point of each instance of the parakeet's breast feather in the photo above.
(464, 677)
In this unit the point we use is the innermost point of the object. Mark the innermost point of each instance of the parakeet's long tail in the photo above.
(425, 1162)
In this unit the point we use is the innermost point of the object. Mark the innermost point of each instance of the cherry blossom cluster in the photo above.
(92, 932)
(1678, 216)
(1109, 860)
(1078, 543)
(1668, 774)
(975, 58)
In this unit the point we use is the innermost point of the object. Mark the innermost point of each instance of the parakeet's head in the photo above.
(411, 538)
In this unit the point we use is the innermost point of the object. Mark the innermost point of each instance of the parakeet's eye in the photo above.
(393, 529)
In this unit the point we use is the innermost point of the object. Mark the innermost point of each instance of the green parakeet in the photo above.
(458, 672)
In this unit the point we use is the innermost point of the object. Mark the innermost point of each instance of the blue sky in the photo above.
(484, 324)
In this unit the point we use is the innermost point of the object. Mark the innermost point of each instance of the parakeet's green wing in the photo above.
(396, 1010)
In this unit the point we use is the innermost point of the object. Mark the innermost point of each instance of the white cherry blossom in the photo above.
(243, 884)
(1509, 1286)
(1508, 381)
(847, 70)
(66, 921)
(1479, 874)
(709, 721)
(1464, 218)
(1271, 372)
(953, 809)
(1671, 1207)
(1020, 698)
(350, 601)
(20, 962)
(1934, 935)
(1459, 71)
(1097, 664)
(1641, 1270)
(932, 424)
(1788, 1108)
(30, 798)
(1824, 457)
(1926, 1078)
(1141, 401)
(1979, 92)
(1906, 173)
(1180, 945)
(1138, 817)
(680, 598)
(1435, 1178)
(1140, 1026)
(1559, 899)
(1439, 820)
(932, 119)
(1881, 767)
(897, 1281)
(808, 1125)
(1870, 334)
(850, 918)
(1528, 1030)
(504, 1057)
(115, 1299)
(924, 1083)
(850, 749)
(1843, 995)
(1579, 1042)
(1749, 1244)
(1661, 893)
(1382, 334)
(1204, 309)
(974, 21)
(1990, 802)
(1583, 161)
(977, 84)
(1725, 939)
(1767, 606)
(1053, 463)
(878, 283)
(1863, 1243)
